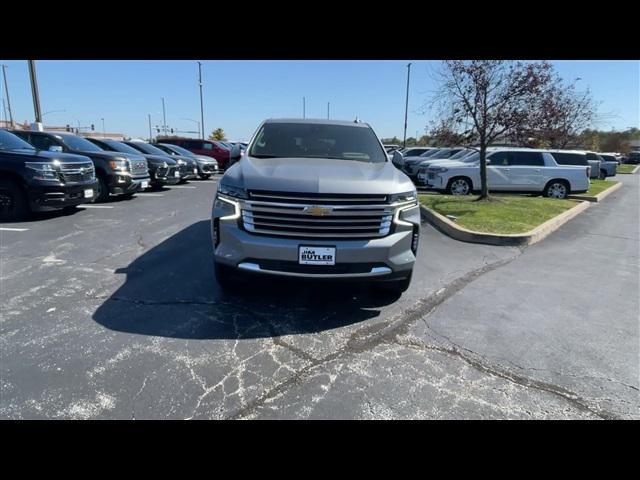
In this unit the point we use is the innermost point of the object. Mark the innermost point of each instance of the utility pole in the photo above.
(327, 110)
(103, 129)
(6, 91)
(406, 107)
(201, 104)
(150, 132)
(304, 107)
(164, 119)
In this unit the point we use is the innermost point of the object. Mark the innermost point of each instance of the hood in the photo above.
(453, 164)
(437, 161)
(205, 159)
(47, 156)
(104, 155)
(317, 175)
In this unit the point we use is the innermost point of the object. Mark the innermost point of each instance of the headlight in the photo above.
(230, 191)
(181, 162)
(43, 170)
(404, 197)
(225, 208)
(438, 169)
(119, 164)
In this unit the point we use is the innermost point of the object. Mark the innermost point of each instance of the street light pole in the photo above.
(164, 119)
(304, 107)
(327, 110)
(6, 91)
(201, 104)
(406, 106)
(103, 129)
(34, 91)
(150, 132)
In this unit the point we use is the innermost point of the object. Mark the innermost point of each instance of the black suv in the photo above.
(187, 166)
(117, 174)
(32, 180)
(162, 170)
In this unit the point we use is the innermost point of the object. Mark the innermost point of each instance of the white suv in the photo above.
(508, 170)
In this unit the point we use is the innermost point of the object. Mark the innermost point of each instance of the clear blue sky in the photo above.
(240, 94)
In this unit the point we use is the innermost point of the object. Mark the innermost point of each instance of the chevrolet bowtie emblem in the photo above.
(318, 211)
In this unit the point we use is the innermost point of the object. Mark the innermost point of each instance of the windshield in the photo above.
(121, 147)
(79, 143)
(311, 140)
(146, 148)
(461, 154)
(9, 141)
(179, 150)
(431, 153)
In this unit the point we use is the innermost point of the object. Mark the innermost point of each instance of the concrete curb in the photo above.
(599, 197)
(457, 232)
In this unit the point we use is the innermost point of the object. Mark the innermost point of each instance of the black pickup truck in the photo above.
(117, 174)
(162, 170)
(32, 180)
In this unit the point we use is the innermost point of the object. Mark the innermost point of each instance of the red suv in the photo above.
(211, 148)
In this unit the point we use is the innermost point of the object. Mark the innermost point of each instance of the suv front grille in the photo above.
(73, 172)
(139, 167)
(304, 215)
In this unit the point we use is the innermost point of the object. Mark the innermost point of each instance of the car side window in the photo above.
(42, 142)
(499, 159)
(207, 146)
(526, 159)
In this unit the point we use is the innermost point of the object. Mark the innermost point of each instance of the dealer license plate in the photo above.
(308, 255)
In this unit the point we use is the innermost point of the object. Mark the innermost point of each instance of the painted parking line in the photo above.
(96, 206)
(180, 186)
(7, 229)
(151, 194)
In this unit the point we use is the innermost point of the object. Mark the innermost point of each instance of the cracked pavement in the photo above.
(115, 313)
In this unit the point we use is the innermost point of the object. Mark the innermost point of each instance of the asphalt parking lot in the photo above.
(112, 311)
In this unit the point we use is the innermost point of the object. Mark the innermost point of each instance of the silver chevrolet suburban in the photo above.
(316, 199)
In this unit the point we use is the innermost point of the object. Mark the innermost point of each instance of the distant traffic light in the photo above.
(92, 127)
(68, 128)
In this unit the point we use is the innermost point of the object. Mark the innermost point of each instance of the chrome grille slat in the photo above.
(301, 218)
(72, 172)
(344, 216)
(375, 228)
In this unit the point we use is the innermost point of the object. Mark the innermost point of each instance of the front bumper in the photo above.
(125, 184)
(207, 168)
(44, 197)
(384, 258)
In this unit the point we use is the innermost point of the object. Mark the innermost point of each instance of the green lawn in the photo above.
(598, 186)
(503, 214)
(626, 168)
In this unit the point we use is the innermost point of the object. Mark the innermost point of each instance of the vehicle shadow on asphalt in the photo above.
(171, 291)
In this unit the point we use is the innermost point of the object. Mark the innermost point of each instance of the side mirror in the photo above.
(55, 148)
(235, 154)
(397, 159)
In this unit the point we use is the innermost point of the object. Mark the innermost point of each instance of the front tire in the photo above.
(557, 189)
(603, 175)
(13, 203)
(102, 195)
(459, 186)
(205, 176)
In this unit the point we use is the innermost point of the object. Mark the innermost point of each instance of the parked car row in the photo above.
(552, 173)
(42, 171)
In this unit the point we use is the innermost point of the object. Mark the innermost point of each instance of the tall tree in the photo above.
(484, 100)
(563, 112)
(217, 134)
